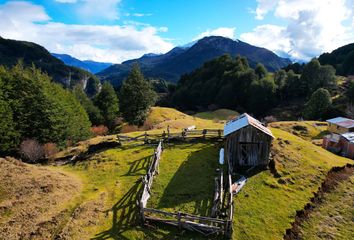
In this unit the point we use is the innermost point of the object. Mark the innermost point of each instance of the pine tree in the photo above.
(92, 111)
(136, 97)
(107, 102)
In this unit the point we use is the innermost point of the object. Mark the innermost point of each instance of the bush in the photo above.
(100, 130)
(50, 149)
(270, 119)
(31, 150)
(319, 103)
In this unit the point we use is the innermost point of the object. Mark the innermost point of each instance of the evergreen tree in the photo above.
(107, 102)
(41, 109)
(350, 92)
(92, 111)
(261, 71)
(9, 136)
(262, 96)
(137, 96)
(315, 76)
(319, 103)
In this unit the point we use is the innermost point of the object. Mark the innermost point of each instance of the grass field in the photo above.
(105, 206)
(219, 115)
(333, 218)
(180, 166)
(266, 206)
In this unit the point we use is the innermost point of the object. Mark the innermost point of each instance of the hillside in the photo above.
(12, 51)
(106, 207)
(34, 200)
(342, 59)
(88, 65)
(181, 60)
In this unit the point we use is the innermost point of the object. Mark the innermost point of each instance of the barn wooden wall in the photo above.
(258, 147)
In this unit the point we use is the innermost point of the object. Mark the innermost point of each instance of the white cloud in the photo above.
(96, 42)
(98, 9)
(141, 14)
(264, 6)
(66, 1)
(222, 31)
(312, 27)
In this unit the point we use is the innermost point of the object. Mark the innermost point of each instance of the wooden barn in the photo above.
(247, 142)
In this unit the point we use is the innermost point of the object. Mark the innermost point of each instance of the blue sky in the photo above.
(117, 30)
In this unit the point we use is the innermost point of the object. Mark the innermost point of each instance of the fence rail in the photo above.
(167, 136)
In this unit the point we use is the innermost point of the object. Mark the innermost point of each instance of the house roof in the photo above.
(348, 136)
(342, 122)
(243, 121)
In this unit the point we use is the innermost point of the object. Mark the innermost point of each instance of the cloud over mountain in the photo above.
(113, 43)
(311, 27)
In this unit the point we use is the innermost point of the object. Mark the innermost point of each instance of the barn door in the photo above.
(249, 154)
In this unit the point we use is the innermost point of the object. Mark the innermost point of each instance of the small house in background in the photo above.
(247, 142)
(340, 139)
(340, 125)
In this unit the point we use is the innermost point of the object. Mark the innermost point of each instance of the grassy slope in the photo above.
(220, 114)
(266, 206)
(333, 219)
(27, 193)
(263, 209)
(114, 173)
(162, 117)
(181, 165)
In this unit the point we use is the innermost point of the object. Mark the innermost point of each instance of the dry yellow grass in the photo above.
(161, 117)
(34, 200)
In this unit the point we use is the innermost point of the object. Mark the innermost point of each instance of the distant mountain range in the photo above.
(181, 60)
(88, 65)
(12, 51)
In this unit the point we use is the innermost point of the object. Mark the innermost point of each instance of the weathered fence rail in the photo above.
(166, 136)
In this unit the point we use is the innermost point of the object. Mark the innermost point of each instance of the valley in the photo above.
(131, 120)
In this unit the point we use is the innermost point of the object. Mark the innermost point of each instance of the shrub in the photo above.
(50, 149)
(31, 150)
(100, 130)
(270, 119)
(129, 128)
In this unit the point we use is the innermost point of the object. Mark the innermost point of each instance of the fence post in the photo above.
(145, 138)
(204, 133)
(179, 221)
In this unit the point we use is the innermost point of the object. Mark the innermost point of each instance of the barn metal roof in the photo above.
(342, 122)
(348, 136)
(243, 121)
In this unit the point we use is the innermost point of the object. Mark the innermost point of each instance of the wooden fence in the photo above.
(222, 211)
(167, 136)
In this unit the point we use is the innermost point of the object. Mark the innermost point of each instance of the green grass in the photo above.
(333, 219)
(180, 166)
(117, 173)
(220, 114)
(265, 208)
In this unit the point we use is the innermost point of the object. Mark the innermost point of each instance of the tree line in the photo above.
(33, 107)
(227, 82)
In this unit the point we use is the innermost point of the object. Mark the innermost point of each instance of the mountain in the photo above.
(181, 60)
(88, 65)
(342, 59)
(12, 51)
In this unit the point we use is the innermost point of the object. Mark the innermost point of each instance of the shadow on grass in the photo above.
(139, 165)
(193, 182)
(124, 215)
